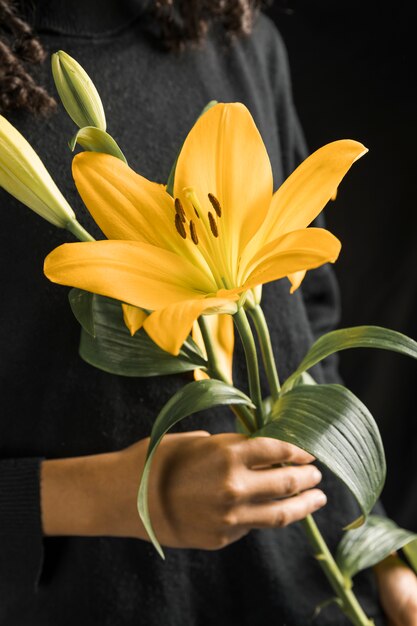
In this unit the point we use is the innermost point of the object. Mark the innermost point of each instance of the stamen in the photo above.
(179, 209)
(180, 226)
(191, 195)
(215, 204)
(213, 224)
(193, 232)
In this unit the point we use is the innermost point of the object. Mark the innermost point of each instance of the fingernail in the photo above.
(316, 475)
(320, 499)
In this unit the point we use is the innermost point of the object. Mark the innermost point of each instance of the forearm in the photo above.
(81, 497)
(203, 492)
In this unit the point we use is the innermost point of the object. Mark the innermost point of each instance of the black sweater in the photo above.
(55, 405)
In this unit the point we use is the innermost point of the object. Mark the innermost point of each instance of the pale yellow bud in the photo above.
(77, 92)
(25, 177)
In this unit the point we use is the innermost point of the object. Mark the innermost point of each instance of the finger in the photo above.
(189, 433)
(281, 482)
(265, 451)
(281, 513)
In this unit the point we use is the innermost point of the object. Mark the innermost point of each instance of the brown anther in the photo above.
(180, 226)
(179, 209)
(213, 224)
(215, 204)
(196, 212)
(193, 232)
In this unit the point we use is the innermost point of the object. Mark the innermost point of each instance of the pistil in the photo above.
(191, 195)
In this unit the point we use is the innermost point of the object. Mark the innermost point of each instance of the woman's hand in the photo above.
(398, 591)
(205, 491)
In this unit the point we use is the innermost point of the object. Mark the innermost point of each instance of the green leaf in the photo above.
(370, 544)
(331, 423)
(171, 177)
(196, 396)
(113, 350)
(81, 303)
(356, 337)
(96, 140)
(410, 551)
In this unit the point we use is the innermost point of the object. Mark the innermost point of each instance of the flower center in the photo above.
(203, 227)
(209, 224)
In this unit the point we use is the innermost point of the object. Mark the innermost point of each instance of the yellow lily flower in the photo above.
(224, 231)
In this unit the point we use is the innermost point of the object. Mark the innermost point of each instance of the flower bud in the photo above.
(77, 92)
(24, 176)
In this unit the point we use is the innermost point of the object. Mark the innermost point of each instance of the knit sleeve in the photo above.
(21, 545)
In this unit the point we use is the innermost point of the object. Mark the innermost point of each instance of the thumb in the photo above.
(190, 433)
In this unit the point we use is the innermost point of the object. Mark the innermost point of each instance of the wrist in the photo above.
(116, 513)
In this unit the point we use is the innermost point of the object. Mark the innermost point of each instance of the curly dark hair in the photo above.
(182, 22)
(19, 48)
(187, 21)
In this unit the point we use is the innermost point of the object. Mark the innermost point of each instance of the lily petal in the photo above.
(170, 327)
(306, 192)
(124, 204)
(309, 188)
(296, 279)
(128, 206)
(296, 251)
(133, 317)
(224, 155)
(133, 272)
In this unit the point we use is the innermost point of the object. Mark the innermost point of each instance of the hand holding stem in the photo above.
(344, 594)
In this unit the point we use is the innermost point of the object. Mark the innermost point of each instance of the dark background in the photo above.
(353, 77)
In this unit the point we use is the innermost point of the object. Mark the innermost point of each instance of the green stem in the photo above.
(78, 231)
(267, 351)
(245, 332)
(245, 416)
(243, 413)
(340, 585)
(214, 367)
